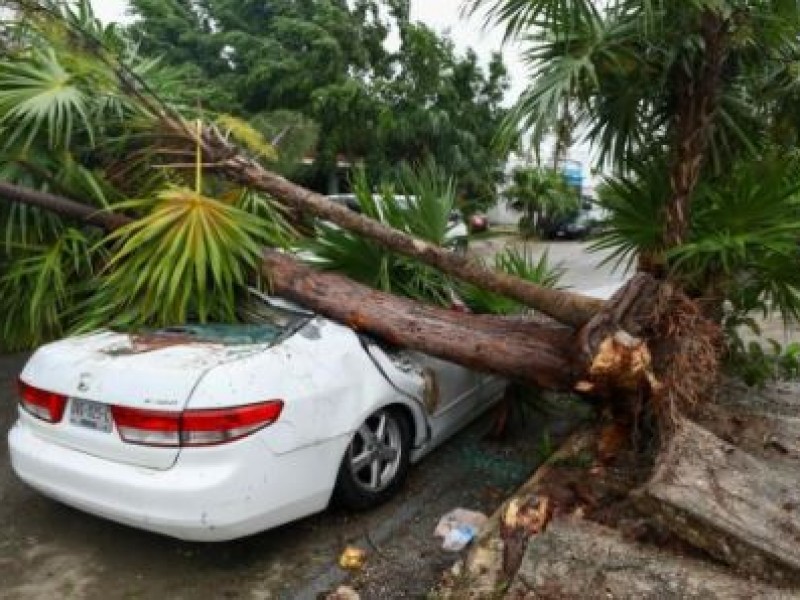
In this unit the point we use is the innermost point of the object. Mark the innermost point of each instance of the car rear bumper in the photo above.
(211, 494)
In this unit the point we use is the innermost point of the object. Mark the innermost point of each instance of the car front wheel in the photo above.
(376, 461)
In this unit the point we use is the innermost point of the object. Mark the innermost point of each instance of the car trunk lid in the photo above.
(153, 371)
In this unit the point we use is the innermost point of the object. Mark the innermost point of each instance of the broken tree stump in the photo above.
(727, 502)
(583, 560)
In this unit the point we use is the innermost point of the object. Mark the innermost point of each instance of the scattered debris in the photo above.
(524, 517)
(458, 528)
(353, 558)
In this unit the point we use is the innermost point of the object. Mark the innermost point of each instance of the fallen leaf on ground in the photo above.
(353, 557)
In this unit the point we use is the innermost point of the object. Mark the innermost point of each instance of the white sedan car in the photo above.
(215, 432)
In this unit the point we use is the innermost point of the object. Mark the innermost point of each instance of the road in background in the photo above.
(584, 270)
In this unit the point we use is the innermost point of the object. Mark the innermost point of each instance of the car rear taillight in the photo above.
(147, 427)
(193, 427)
(44, 405)
(202, 427)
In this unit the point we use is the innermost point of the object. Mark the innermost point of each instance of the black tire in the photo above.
(355, 488)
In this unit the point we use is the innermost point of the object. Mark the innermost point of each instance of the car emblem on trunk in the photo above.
(83, 382)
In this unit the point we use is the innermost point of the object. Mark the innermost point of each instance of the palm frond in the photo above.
(248, 135)
(634, 204)
(520, 262)
(40, 95)
(39, 285)
(187, 256)
(422, 210)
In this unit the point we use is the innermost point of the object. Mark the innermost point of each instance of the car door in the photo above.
(453, 393)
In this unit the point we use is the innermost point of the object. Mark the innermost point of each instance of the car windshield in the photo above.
(264, 321)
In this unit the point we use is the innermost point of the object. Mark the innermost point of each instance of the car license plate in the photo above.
(92, 415)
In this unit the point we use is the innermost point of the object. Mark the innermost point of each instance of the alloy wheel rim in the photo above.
(376, 451)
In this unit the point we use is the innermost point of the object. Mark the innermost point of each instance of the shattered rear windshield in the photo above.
(226, 334)
(262, 323)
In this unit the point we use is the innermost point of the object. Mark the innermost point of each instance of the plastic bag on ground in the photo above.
(459, 527)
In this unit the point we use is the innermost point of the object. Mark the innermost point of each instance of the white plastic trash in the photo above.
(459, 527)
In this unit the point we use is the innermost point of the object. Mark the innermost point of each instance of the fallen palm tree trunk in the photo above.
(62, 206)
(580, 559)
(541, 353)
(222, 155)
(743, 510)
(534, 352)
(602, 357)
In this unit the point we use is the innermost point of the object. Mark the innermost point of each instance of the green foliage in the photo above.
(41, 284)
(626, 72)
(617, 66)
(292, 133)
(184, 257)
(758, 366)
(543, 196)
(40, 95)
(744, 232)
(745, 236)
(421, 206)
(250, 137)
(521, 263)
(70, 126)
(634, 204)
(327, 62)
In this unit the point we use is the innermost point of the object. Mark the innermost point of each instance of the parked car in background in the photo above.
(214, 432)
(478, 223)
(576, 227)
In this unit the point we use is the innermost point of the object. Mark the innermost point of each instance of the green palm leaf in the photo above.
(41, 95)
(40, 285)
(422, 210)
(186, 257)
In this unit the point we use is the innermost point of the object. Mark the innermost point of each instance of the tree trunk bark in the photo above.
(536, 353)
(698, 98)
(63, 206)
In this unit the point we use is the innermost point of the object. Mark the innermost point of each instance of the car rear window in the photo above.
(237, 334)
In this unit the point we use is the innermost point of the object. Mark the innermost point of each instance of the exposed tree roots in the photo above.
(686, 351)
(651, 354)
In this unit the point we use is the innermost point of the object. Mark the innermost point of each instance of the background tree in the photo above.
(543, 196)
(328, 62)
(674, 97)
